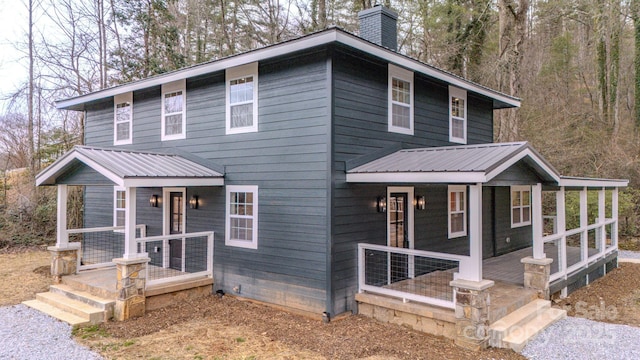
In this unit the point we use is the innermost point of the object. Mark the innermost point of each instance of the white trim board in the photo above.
(306, 42)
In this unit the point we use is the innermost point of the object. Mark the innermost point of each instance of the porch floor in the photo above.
(105, 281)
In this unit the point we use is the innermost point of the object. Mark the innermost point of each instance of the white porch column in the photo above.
(130, 248)
(561, 219)
(584, 222)
(602, 233)
(472, 269)
(614, 215)
(62, 237)
(536, 221)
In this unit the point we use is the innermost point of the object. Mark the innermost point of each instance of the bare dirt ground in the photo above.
(23, 273)
(230, 328)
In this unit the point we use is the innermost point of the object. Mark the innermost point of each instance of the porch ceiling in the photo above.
(129, 168)
(452, 164)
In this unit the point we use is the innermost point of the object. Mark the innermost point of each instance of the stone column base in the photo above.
(64, 260)
(131, 277)
(472, 313)
(536, 275)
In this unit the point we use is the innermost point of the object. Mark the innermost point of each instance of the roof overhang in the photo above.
(569, 181)
(133, 169)
(325, 37)
(496, 162)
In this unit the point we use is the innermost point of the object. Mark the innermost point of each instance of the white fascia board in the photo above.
(56, 168)
(286, 48)
(504, 166)
(417, 66)
(197, 70)
(418, 177)
(166, 182)
(577, 182)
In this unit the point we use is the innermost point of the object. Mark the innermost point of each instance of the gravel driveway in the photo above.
(26, 333)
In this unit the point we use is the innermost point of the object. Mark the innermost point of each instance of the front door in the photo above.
(176, 225)
(399, 208)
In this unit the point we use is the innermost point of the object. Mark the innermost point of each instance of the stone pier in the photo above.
(130, 287)
(472, 313)
(64, 260)
(536, 275)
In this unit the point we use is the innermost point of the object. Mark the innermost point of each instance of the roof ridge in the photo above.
(471, 146)
(87, 147)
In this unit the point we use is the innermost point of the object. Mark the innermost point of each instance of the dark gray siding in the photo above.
(82, 175)
(360, 128)
(507, 238)
(286, 159)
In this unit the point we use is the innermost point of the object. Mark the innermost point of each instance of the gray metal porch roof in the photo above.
(462, 164)
(135, 168)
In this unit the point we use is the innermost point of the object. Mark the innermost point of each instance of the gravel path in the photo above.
(581, 339)
(625, 254)
(26, 333)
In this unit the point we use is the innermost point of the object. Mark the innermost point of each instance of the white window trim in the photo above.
(234, 74)
(241, 243)
(115, 205)
(457, 188)
(180, 85)
(520, 188)
(119, 99)
(462, 94)
(405, 75)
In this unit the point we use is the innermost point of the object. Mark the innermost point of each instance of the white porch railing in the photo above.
(408, 274)
(100, 245)
(575, 249)
(178, 257)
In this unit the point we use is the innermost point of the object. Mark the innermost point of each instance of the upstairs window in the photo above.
(400, 100)
(119, 204)
(457, 115)
(520, 206)
(174, 103)
(123, 119)
(242, 216)
(242, 99)
(457, 211)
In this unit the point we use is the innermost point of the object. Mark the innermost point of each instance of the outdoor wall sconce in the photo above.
(193, 202)
(381, 204)
(420, 202)
(153, 201)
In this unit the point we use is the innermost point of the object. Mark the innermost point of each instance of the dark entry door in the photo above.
(176, 224)
(398, 235)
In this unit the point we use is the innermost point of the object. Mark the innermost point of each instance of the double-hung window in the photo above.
(457, 115)
(123, 119)
(520, 206)
(457, 218)
(174, 114)
(119, 205)
(400, 100)
(242, 216)
(242, 99)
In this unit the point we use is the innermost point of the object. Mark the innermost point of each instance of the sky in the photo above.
(13, 65)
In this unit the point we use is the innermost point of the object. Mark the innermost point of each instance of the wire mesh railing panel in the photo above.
(552, 251)
(423, 276)
(99, 247)
(177, 256)
(574, 249)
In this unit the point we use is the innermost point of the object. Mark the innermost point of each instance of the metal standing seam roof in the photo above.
(464, 158)
(129, 164)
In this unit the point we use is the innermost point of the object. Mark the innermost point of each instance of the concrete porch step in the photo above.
(90, 313)
(516, 329)
(98, 283)
(106, 305)
(56, 313)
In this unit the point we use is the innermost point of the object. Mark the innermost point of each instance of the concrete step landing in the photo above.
(516, 329)
(73, 306)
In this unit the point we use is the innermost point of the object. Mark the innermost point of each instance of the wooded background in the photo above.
(574, 63)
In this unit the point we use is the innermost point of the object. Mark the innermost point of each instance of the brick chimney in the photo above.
(379, 25)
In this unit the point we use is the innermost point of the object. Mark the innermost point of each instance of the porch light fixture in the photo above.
(153, 201)
(420, 202)
(381, 204)
(193, 202)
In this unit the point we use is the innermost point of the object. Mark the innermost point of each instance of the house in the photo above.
(328, 174)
